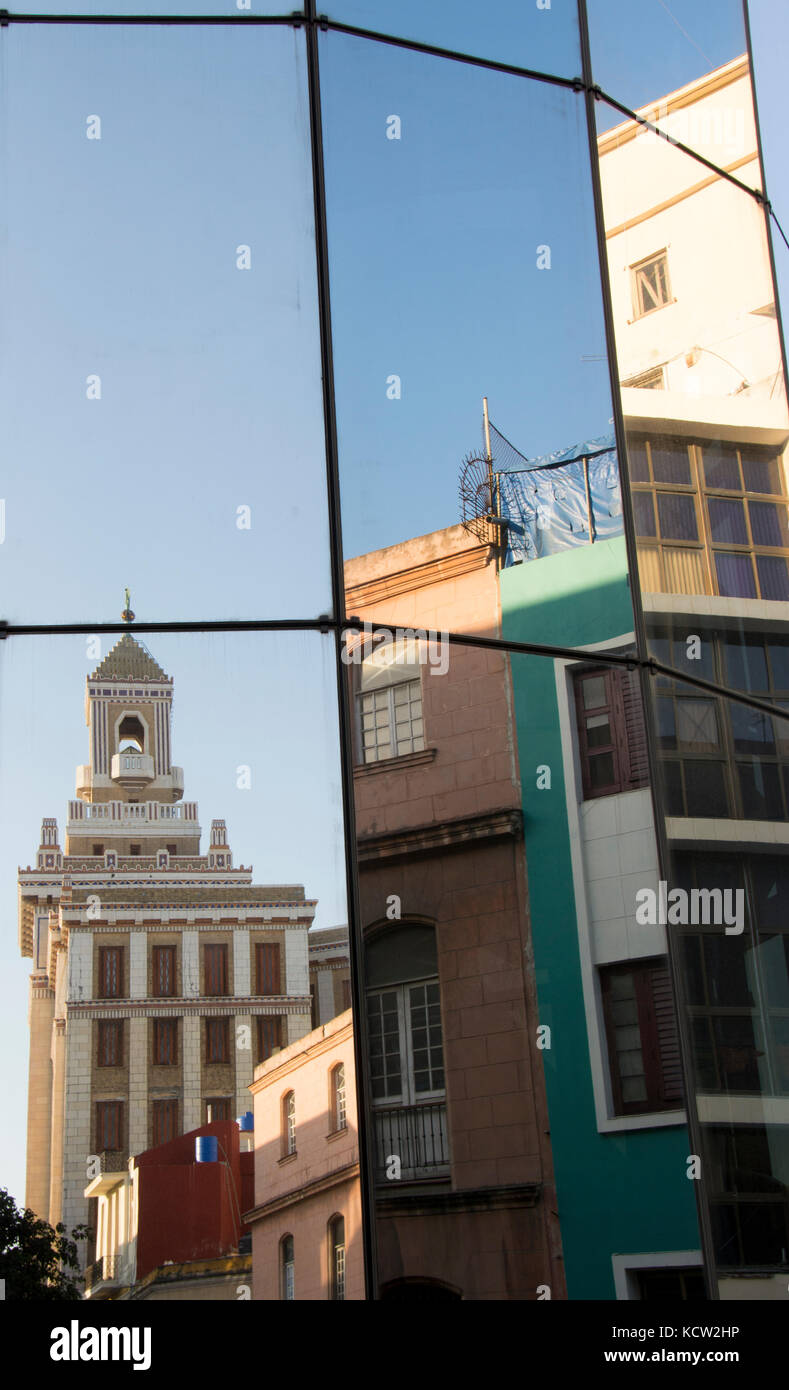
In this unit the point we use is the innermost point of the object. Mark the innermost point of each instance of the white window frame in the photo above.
(636, 270)
(626, 1268)
(408, 1094)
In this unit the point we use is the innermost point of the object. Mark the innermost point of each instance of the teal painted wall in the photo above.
(617, 1193)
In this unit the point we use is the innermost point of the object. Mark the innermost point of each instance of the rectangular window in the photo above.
(650, 284)
(267, 961)
(217, 1039)
(110, 972)
(163, 971)
(110, 1042)
(723, 528)
(165, 1042)
(217, 1108)
(643, 1044)
(109, 1125)
(98, 849)
(720, 759)
(346, 994)
(171, 849)
(165, 1121)
(611, 732)
(269, 1036)
(216, 975)
(391, 721)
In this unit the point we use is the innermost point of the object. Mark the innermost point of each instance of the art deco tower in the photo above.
(161, 976)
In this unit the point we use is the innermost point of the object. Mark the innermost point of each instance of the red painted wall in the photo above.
(190, 1210)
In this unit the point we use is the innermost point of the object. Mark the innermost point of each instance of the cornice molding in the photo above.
(432, 839)
(417, 577)
(347, 1173)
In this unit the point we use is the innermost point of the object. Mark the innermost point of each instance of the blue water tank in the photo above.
(206, 1148)
(246, 1122)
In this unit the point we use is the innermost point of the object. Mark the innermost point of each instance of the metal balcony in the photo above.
(417, 1136)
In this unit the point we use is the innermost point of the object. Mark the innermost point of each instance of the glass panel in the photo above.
(593, 688)
(727, 521)
(735, 575)
(677, 517)
(168, 316)
(675, 49)
(411, 374)
(543, 38)
(721, 466)
(644, 510)
(670, 462)
(252, 862)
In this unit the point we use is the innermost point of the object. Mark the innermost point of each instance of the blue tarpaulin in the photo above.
(545, 502)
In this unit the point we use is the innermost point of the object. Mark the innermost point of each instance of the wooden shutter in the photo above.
(109, 1125)
(111, 972)
(110, 1043)
(165, 1121)
(636, 764)
(269, 1036)
(668, 1037)
(216, 970)
(163, 971)
(267, 956)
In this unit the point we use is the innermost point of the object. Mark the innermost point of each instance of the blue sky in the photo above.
(118, 257)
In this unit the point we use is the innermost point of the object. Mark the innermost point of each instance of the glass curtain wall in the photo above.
(402, 392)
(701, 366)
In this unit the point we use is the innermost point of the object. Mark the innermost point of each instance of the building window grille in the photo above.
(165, 1042)
(163, 971)
(267, 961)
(165, 1121)
(216, 975)
(110, 1043)
(651, 288)
(217, 1039)
(110, 972)
(109, 1125)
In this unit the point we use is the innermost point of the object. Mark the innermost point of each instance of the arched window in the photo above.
(289, 1124)
(389, 701)
(406, 1052)
(131, 735)
(286, 1269)
(337, 1091)
(337, 1258)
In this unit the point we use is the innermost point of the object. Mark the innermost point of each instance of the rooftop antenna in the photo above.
(479, 492)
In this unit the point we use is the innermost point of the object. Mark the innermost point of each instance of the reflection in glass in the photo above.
(171, 958)
(166, 319)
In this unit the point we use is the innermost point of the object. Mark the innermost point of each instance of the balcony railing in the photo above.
(415, 1135)
(102, 1271)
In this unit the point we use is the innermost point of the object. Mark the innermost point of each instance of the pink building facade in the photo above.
(306, 1223)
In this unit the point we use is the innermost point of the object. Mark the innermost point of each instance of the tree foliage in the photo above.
(38, 1261)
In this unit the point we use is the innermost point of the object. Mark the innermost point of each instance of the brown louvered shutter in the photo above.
(268, 970)
(636, 769)
(668, 1037)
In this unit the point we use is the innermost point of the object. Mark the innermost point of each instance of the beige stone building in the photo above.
(161, 976)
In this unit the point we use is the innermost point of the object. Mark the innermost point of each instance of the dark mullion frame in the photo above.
(344, 691)
(642, 647)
